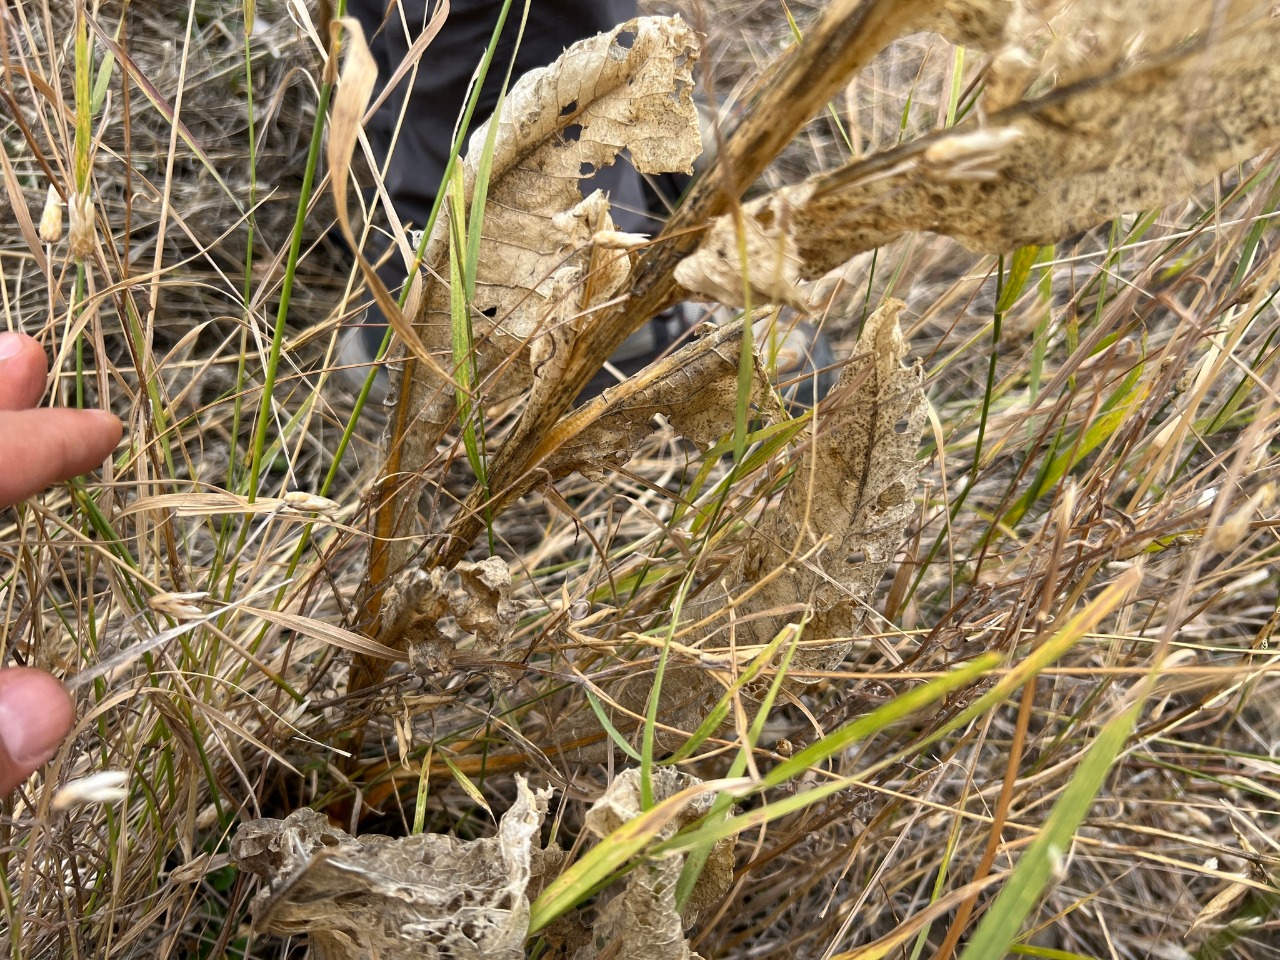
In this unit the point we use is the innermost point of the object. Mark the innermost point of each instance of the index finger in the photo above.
(40, 447)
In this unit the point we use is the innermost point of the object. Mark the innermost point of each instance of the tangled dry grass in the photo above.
(1115, 412)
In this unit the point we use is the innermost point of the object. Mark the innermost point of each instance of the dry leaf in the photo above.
(411, 611)
(854, 487)
(423, 897)
(696, 389)
(538, 268)
(1222, 904)
(540, 274)
(640, 921)
(486, 608)
(417, 604)
(846, 506)
(837, 44)
(1039, 44)
(1142, 115)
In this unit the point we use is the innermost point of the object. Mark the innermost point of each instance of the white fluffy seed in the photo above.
(105, 787)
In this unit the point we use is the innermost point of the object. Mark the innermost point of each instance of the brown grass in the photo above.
(243, 717)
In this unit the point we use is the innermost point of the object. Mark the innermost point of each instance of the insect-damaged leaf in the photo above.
(844, 510)
(1145, 102)
(539, 270)
(853, 488)
(421, 896)
(539, 274)
(425, 617)
(638, 919)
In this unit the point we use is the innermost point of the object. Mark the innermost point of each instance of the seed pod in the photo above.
(84, 228)
(51, 217)
(180, 606)
(106, 786)
(305, 502)
(618, 240)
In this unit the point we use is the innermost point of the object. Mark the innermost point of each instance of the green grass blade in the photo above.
(604, 861)
(697, 857)
(614, 735)
(1111, 416)
(719, 713)
(1000, 926)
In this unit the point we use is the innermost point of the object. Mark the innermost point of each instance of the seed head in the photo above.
(84, 227)
(51, 217)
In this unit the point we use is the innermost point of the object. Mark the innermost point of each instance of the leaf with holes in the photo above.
(1131, 106)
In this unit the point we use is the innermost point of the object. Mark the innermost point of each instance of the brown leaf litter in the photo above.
(1131, 107)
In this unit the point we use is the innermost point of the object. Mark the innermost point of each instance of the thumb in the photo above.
(35, 715)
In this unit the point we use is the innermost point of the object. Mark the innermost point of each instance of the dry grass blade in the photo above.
(1090, 524)
(355, 88)
(328, 633)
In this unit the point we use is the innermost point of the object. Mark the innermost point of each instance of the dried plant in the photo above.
(988, 673)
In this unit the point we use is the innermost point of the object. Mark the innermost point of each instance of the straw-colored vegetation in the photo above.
(974, 661)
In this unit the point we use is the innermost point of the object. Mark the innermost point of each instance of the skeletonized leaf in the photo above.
(640, 920)
(855, 487)
(425, 617)
(1152, 101)
(839, 42)
(1039, 44)
(695, 388)
(847, 504)
(373, 896)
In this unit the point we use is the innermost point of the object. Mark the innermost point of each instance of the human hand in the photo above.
(38, 447)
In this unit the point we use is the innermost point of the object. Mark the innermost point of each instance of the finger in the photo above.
(40, 447)
(35, 716)
(22, 371)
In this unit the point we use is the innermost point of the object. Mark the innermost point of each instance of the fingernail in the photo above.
(34, 716)
(10, 344)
